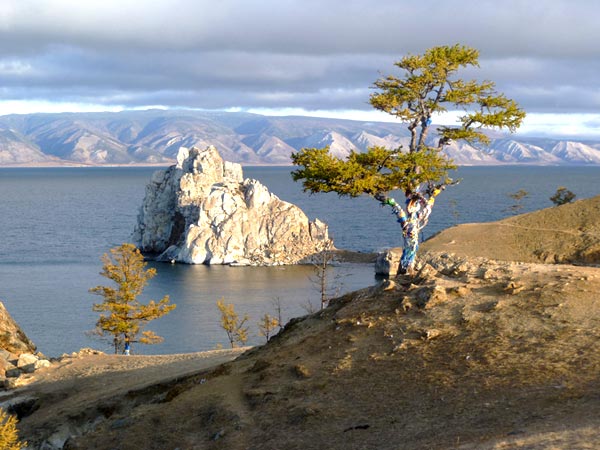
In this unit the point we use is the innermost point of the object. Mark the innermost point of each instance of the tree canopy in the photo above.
(428, 86)
(377, 170)
(123, 316)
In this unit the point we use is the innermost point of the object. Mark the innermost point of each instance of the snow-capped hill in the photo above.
(270, 147)
(154, 136)
(463, 153)
(576, 152)
(364, 140)
(17, 149)
(510, 150)
(338, 144)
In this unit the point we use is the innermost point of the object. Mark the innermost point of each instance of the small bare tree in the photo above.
(237, 332)
(321, 266)
(276, 302)
(454, 210)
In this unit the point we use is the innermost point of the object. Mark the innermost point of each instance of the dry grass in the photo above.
(565, 234)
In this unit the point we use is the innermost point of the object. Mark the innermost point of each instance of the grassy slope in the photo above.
(564, 234)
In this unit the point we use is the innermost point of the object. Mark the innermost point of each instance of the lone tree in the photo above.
(428, 86)
(122, 316)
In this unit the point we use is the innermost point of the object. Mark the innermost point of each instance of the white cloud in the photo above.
(44, 106)
(287, 54)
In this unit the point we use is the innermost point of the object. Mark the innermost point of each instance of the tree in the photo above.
(428, 86)
(562, 196)
(267, 325)
(237, 333)
(9, 435)
(276, 303)
(123, 316)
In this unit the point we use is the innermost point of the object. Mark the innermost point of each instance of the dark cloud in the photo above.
(288, 53)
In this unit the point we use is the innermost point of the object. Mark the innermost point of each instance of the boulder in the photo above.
(41, 363)
(388, 262)
(6, 355)
(202, 211)
(5, 366)
(13, 372)
(27, 362)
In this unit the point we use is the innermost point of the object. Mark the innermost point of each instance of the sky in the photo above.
(293, 57)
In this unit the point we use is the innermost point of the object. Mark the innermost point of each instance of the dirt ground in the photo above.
(468, 353)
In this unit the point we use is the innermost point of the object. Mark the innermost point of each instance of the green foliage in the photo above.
(9, 435)
(237, 333)
(377, 170)
(428, 86)
(267, 325)
(123, 316)
(562, 196)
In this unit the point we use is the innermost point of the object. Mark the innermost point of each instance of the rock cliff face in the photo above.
(12, 338)
(202, 211)
(17, 356)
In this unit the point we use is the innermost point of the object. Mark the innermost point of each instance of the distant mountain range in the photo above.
(154, 137)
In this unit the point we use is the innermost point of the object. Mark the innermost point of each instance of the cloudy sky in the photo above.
(316, 57)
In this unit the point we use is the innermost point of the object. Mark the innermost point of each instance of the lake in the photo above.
(57, 222)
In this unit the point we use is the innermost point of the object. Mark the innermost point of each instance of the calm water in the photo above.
(55, 224)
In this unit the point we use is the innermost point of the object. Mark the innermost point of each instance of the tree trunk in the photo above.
(410, 232)
(413, 136)
(418, 210)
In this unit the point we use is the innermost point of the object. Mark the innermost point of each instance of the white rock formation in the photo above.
(202, 211)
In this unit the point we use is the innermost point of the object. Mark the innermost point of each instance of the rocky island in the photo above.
(203, 211)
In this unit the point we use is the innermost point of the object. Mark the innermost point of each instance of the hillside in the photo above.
(154, 137)
(470, 354)
(565, 234)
